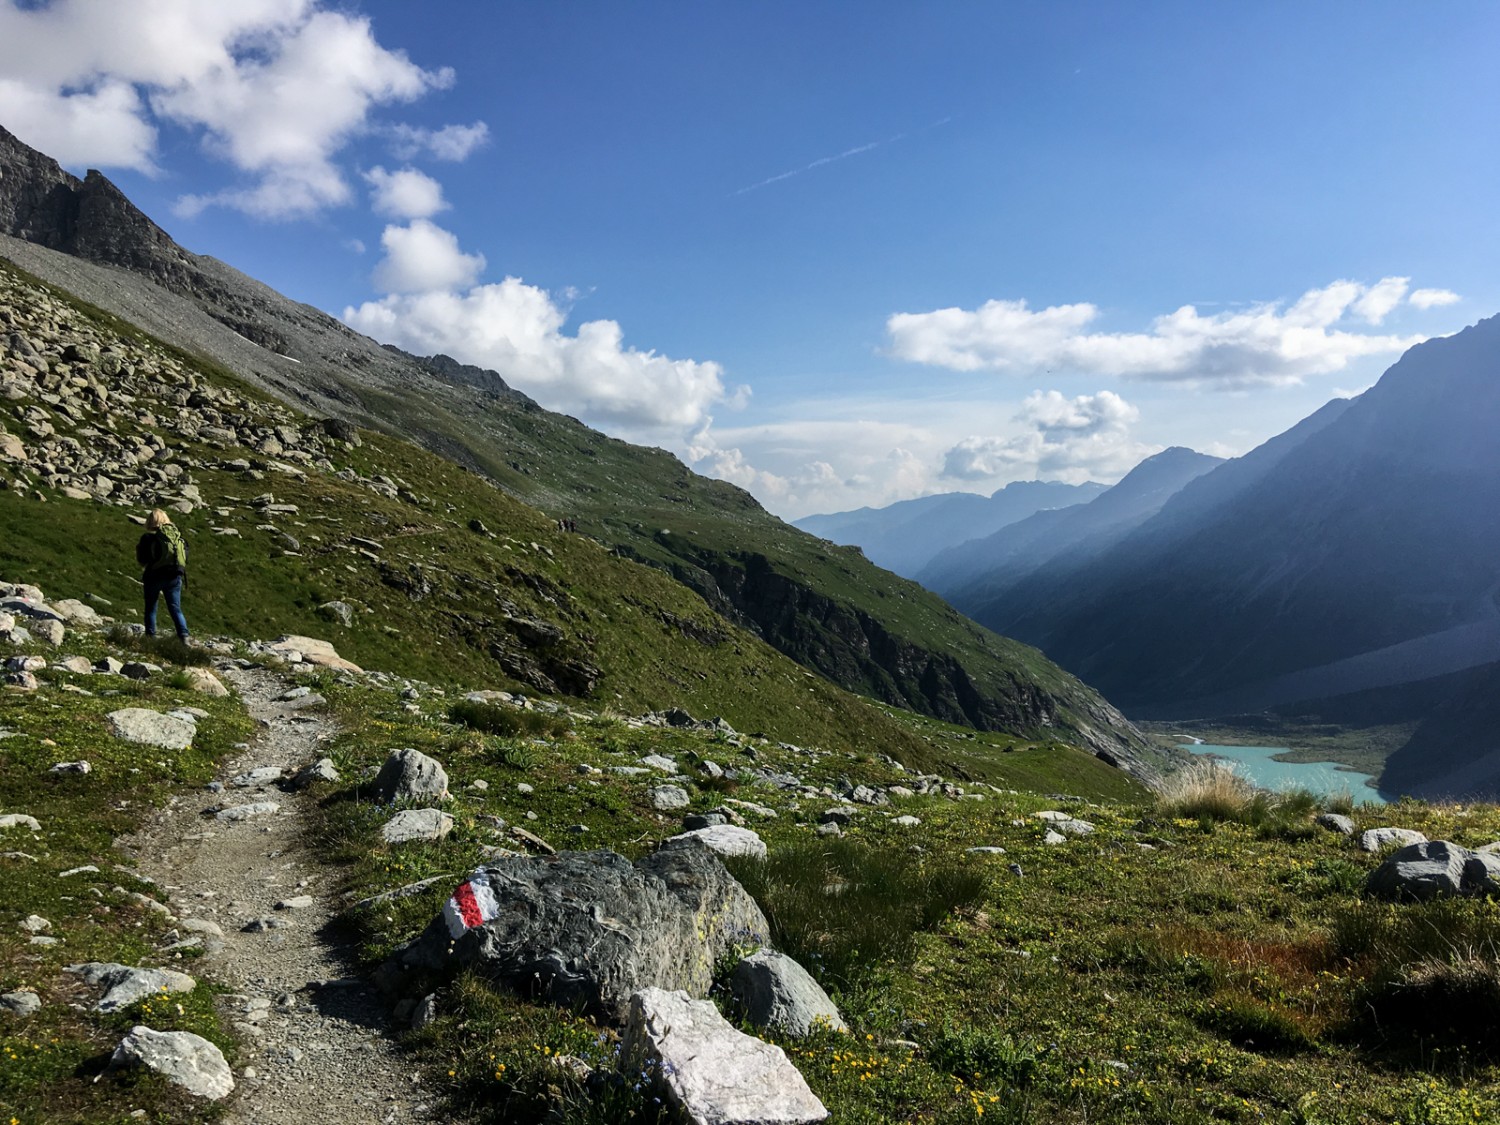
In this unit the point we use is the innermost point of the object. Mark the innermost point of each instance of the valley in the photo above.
(508, 752)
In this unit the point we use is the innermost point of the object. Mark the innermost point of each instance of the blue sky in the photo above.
(839, 253)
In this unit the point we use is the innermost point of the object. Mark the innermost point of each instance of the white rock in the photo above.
(314, 652)
(20, 820)
(137, 724)
(725, 839)
(188, 1060)
(416, 824)
(261, 776)
(665, 798)
(321, 770)
(204, 682)
(906, 821)
(124, 985)
(1375, 839)
(21, 1003)
(713, 1073)
(245, 812)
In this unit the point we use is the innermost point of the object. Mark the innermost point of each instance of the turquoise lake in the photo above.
(1258, 764)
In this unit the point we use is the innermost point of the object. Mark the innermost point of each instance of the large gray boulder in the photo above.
(590, 929)
(410, 775)
(712, 1073)
(185, 1059)
(1435, 869)
(776, 992)
(152, 728)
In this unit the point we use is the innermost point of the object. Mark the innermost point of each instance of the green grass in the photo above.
(845, 909)
(43, 1059)
(1216, 975)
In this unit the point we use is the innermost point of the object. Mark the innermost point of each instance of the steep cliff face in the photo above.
(857, 649)
(88, 218)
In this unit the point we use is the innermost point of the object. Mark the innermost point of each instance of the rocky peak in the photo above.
(89, 218)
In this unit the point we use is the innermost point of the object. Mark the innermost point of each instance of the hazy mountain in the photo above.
(1356, 551)
(829, 609)
(975, 573)
(905, 536)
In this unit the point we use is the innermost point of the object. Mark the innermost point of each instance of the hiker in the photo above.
(163, 557)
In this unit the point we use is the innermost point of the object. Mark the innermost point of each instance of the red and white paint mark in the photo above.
(473, 904)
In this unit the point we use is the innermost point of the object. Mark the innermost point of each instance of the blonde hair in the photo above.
(156, 519)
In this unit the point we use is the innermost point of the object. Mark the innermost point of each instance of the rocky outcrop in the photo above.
(589, 929)
(859, 651)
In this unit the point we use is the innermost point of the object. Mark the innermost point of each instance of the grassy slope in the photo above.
(48, 1063)
(647, 499)
(1219, 974)
(624, 617)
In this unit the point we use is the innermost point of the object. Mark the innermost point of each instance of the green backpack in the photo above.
(174, 548)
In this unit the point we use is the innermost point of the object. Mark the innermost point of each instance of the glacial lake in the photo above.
(1258, 764)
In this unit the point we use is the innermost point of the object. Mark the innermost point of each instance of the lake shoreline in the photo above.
(1269, 768)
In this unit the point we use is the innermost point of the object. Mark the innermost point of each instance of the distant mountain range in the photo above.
(977, 574)
(831, 610)
(1356, 553)
(905, 536)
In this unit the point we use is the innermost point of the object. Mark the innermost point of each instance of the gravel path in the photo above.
(315, 1048)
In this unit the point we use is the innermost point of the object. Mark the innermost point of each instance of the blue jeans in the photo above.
(169, 587)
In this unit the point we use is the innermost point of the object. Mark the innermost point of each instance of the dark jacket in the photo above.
(154, 552)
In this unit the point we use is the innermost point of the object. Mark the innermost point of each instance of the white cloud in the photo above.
(102, 125)
(275, 87)
(1433, 298)
(405, 193)
(517, 330)
(451, 142)
(1265, 344)
(422, 257)
(1069, 439)
(1379, 299)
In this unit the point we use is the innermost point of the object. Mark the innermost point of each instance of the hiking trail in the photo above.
(314, 1042)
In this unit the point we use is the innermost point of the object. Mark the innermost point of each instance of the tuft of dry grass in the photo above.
(1207, 788)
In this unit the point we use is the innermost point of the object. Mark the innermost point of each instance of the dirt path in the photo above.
(315, 1044)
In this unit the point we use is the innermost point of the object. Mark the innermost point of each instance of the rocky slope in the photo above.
(851, 622)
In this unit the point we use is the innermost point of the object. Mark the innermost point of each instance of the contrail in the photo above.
(818, 164)
(831, 159)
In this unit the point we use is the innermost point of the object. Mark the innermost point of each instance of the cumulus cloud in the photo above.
(1070, 439)
(1433, 298)
(275, 87)
(517, 330)
(405, 193)
(451, 142)
(421, 257)
(1265, 344)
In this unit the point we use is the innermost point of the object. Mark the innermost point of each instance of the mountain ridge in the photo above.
(905, 536)
(641, 502)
